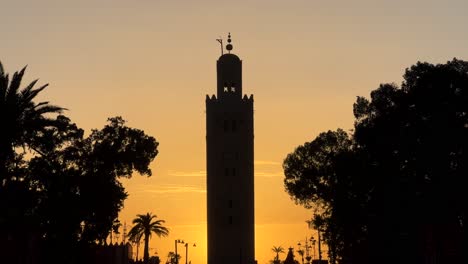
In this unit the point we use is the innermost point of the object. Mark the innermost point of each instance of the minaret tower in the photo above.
(230, 167)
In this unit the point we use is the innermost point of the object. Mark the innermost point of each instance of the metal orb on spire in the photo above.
(229, 45)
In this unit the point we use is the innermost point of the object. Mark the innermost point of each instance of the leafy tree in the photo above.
(77, 179)
(324, 175)
(60, 190)
(144, 226)
(417, 142)
(396, 186)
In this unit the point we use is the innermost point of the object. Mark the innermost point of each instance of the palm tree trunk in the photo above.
(146, 253)
(138, 247)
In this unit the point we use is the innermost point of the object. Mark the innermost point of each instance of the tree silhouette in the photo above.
(23, 123)
(144, 226)
(172, 258)
(22, 119)
(405, 164)
(277, 250)
(59, 190)
(321, 175)
(417, 142)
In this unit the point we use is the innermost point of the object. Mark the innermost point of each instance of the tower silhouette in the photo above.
(230, 167)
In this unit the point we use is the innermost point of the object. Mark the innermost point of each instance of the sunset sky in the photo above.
(153, 62)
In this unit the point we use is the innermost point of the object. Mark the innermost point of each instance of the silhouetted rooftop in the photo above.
(229, 57)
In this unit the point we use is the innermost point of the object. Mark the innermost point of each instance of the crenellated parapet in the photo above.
(245, 98)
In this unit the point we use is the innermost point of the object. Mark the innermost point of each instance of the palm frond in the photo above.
(28, 88)
(48, 109)
(31, 94)
(15, 83)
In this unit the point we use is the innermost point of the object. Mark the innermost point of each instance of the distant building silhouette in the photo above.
(230, 168)
(110, 254)
(290, 257)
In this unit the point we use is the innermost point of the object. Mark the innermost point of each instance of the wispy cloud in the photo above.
(175, 189)
(203, 173)
(187, 173)
(268, 174)
(266, 162)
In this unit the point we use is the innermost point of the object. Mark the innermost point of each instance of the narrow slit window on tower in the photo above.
(227, 156)
(233, 171)
(226, 171)
(230, 219)
(226, 125)
(234, 125)
(230, 203)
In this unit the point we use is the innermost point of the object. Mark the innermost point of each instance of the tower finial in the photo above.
(220, 40)
(229, 45)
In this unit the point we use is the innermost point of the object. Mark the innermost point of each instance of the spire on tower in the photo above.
(229, 45)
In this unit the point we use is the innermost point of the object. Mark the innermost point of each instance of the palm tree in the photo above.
(277, 250)
(172, 258)
(144, 226)
(22, 120)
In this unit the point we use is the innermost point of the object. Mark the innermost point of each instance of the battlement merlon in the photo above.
(213, 98)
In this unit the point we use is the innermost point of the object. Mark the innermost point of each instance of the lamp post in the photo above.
(177, 241)
(312, 241)
(319, 249)
(306, 250)
(311, 225)
(186, 251)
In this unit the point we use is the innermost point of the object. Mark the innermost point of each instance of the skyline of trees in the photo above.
(59, 190)
(406, 155)
(374, 190)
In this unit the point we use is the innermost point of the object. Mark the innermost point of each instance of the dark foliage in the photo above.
(60, 190)
(402, 191)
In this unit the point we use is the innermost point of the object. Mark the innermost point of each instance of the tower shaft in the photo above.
(230, 168)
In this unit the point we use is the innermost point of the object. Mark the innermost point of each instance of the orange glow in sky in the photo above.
(153, 62)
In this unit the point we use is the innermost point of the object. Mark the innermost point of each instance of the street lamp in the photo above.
(177, 241)
(312, 241)
(307, 247)
(311, 225)
(186, 251)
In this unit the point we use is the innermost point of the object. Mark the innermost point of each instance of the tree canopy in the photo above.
(144, 226)
(60, 189)
(396, 185)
